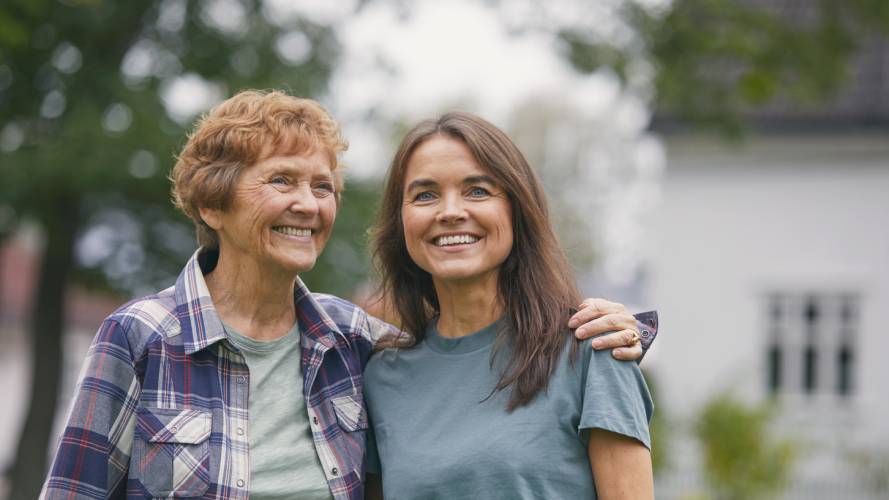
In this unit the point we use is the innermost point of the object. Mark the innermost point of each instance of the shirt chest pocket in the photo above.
(350, 412)
(171, 451)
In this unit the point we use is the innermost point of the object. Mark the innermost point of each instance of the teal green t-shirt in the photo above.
(437, 436)
(283, 460)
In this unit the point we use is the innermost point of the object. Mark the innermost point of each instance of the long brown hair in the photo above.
(535, 284)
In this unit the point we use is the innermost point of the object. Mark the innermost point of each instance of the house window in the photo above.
(811, 346)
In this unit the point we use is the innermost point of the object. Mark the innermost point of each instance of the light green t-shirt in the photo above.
(437, 436)
(283, 461)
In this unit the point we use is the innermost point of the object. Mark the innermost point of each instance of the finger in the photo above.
(607, 323)
(623, 338)
(591, 309)
(628, 353)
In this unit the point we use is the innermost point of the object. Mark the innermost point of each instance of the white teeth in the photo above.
(460, 239)
(293, 231)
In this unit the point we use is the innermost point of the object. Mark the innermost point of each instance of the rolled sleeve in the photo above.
(647, 323)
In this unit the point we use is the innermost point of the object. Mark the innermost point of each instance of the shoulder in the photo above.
(603, 360)
(345, 314)
(353, 320)
(610, 378)
(143, 321)
(601, 370)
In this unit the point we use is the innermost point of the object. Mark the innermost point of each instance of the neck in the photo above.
(466, 307)
(256, 303)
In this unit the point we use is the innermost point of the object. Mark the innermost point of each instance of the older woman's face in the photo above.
(457, 221)
(282, 213)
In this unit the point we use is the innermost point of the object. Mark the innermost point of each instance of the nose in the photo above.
(451, 210)
(303, 200)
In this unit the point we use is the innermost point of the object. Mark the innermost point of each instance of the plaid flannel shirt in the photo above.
(161, 407)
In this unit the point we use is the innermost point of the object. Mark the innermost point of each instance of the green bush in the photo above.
(742, 459)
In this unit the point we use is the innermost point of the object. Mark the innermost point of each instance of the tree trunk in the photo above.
(47, 325)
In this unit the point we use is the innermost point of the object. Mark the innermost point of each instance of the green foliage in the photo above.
(63, 85)
(742, 459)
(345, 262)
(716, 59)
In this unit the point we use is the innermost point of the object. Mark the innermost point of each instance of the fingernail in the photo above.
(618, 352)
(572, 323)
(597, 344)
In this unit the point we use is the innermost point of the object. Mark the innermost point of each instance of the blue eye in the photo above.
(479, 192)
(424, 196)
(278, 180)
(323, 189)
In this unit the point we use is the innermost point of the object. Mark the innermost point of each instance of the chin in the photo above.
(297, 265)
(456, 274)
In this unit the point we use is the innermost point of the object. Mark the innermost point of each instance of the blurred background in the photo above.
(723, 161)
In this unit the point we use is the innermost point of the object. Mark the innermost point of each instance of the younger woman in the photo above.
(496, 399)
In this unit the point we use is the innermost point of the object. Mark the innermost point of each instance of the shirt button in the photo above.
(645, 333)
(334, 471)
(240, 431)
(242, 379)
(174, 429)
(240, 483)
(315, 420)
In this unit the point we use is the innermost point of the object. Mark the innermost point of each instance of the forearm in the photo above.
(621, 467)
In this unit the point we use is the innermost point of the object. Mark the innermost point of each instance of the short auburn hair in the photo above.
(241, 131)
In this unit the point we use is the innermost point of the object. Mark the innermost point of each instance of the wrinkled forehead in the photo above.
(301, 144)
(296, 141)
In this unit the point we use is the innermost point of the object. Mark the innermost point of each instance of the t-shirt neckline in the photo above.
(261, 346)
(461, 345)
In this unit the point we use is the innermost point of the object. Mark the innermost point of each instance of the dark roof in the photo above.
(863, 97)
(862, 101)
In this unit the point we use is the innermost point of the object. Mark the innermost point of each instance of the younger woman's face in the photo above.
(457, 220)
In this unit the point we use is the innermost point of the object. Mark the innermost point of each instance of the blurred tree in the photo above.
(344, 265)
(715, 59)
(741, 459)
(94, 96)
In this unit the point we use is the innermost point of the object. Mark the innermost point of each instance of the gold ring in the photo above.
(635, 340)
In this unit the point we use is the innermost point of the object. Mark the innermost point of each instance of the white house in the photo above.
(769, 262)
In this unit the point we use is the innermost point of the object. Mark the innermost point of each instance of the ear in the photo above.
(212, 217)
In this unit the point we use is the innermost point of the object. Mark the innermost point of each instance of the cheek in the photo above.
(504, 227)
(257, 206)
(411, 226)
(327, 212)
(409, 223)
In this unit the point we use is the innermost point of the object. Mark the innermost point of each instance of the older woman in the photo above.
(495, 399)
(236, 381)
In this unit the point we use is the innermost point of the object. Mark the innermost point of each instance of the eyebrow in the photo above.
(284, 167)
(421, 183)
(472, 179)
(479, 179)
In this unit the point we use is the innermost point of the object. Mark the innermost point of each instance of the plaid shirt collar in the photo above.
(200, 324)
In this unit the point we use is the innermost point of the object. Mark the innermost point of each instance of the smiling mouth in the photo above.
(455, 239)
(292, 231)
